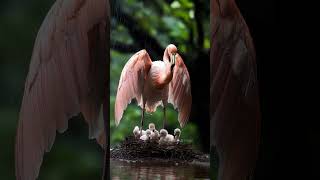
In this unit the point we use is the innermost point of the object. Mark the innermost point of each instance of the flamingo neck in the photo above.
(165, 78)
(168, 74)
(176, 137)
(166, 56)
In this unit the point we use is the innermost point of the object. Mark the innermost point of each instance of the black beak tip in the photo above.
(172, 66)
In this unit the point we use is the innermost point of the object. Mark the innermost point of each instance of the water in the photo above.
(155, 170)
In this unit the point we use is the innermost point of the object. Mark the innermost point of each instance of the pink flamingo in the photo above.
(155, 83)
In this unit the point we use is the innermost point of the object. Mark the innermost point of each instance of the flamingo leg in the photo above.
(142, 118)
(164, 116)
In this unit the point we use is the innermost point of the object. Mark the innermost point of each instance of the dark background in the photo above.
(289, 141)
(260, 18)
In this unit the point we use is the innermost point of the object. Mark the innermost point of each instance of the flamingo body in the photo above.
(154, 91)
(165, 137)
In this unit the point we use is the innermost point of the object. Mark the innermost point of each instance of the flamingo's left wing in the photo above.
(131, 82)
(180, 90)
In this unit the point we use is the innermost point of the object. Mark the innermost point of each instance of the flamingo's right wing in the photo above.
(180, 91)
(131, 82)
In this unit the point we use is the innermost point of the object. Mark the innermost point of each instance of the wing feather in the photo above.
(66, 76)
(131, 82)
(180, 90)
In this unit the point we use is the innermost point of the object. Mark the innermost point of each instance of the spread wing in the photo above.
(180, 90)
(131, 82)
(234, 100)
(67, 75)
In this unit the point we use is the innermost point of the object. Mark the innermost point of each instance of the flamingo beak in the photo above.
(173, 58)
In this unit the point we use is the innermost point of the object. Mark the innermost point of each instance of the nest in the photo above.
(136, 149)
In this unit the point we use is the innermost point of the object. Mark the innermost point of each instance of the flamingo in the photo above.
(146, 136)
(177, 133)
(68, 74)
(155, 83)
(152, 127)
(136, 132)
(155, 135)
(165, 138)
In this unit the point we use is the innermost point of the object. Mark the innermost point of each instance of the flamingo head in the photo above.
(148, 133)
(152, 127)
(163, 133)
(156, 133)
(172, 51)
(177, 132)
(136, 131)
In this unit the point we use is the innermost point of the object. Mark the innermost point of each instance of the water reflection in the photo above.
(156, 170)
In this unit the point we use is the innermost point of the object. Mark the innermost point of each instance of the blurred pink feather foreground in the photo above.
(67, 75)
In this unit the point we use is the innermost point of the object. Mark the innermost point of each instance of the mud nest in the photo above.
(135, 149)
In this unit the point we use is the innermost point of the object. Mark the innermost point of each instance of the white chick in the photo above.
(143, 132)
(152, 127)
(146, 136)
(177, 133)
(155, 135)
(136, 132)
(165, 138)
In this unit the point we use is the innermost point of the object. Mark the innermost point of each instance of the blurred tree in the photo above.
(152, 25)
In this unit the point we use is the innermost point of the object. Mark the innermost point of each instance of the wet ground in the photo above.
(153, 169)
